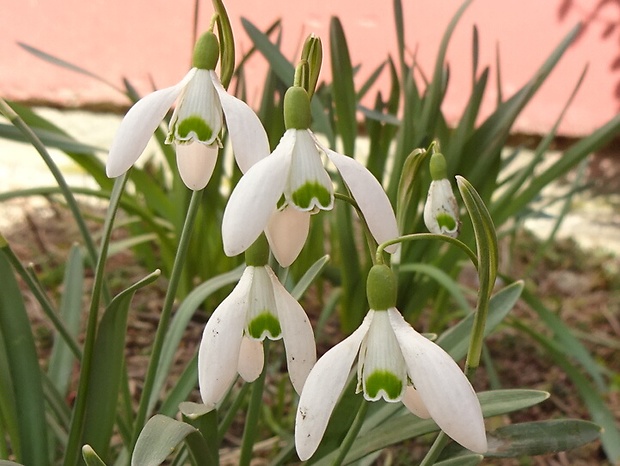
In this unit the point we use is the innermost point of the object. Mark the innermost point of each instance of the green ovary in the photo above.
(264, 323)
(197, 125)
(446, 221)
(304, 195)
(386, 381)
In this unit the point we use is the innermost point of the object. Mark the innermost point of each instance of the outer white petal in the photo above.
(287, 232)
(247, 135)
(251, 359)
(442, 386)
(254, 198)
(369, 195)
(414, 403)
(322, 390)
(296, 332)
(196, 162)
(138, 126)
(218, 354)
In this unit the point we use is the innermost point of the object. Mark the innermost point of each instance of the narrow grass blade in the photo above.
(467, 460)
(24, 368)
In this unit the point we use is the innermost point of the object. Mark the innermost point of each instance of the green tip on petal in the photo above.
(206, 52)
(389, 383)
(194, 124)
(297, 108)
(446, 221)
(304, 196)
(438, 166)
(263, 324)
(381, 288)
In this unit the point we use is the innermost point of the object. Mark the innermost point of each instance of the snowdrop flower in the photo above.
(195, 125)
(259, 307)
(441, 211)
(295, 170)
(395, 363)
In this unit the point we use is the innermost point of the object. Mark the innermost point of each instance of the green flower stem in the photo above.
(433, 453)
(232, 412)
(476, 339)
(43, 300)
(355, 428)
(419, 236)
(166, 312)
(254, 409)
(17, 121)
(73, 449)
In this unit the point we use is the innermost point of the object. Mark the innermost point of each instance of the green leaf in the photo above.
(306, 280)
(539, 438)
(159, 438)
(404, 425)
(456, 338)
(23, 365)
(62, 359)
(343, 88)
(9, 423)
(90, 457)
(106, 370)
(408, 183)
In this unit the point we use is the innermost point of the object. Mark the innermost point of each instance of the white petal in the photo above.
(414, 403)
(139, 125)
(445, 391)
(251, 359)
(218, 354)
(287, 232)
(322, 389)
(370, 197)
(254, 199)
(296, 332)
(196, 162)
(247, 135)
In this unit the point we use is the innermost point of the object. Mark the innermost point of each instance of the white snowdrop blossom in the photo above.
(259, 307)
(441, 211)
(195, 125)
(395, 363)
(295, 170)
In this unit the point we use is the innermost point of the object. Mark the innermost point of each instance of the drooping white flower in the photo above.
(195, 125)
(441, 211)
(295, 170)
(395, 363)
(259, 307)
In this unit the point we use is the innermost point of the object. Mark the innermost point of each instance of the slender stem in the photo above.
(419, 236)
(355, 428)
(232, 412)
(254, 409)
(370, 240)
(166, 312)
(17, 121)
(73, 449)
(438, 445)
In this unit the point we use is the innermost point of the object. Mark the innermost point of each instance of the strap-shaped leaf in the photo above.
(539, 438)
(23, 364)
(467, 460)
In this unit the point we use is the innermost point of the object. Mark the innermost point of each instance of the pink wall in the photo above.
(144, 39)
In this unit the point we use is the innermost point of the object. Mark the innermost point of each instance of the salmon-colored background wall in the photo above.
(146, 40)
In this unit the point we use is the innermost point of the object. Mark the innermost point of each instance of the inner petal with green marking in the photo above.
(383, 384)
(262, 315)
(198, 115)
(446, 221)
(382, 372)
(309, 186)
